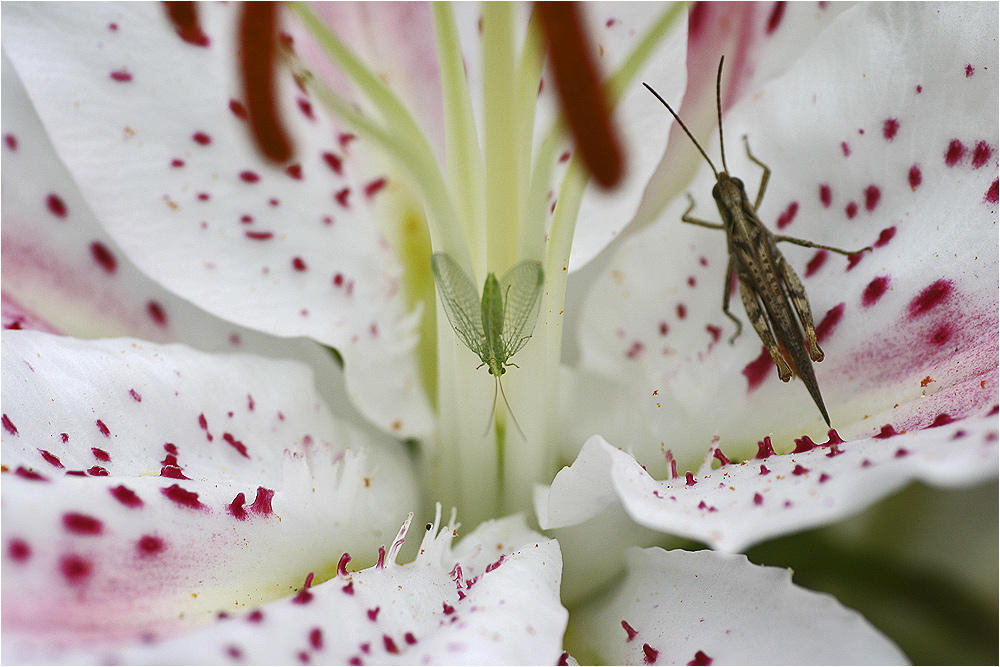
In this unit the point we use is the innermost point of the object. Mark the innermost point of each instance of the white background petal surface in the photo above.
(710, 608)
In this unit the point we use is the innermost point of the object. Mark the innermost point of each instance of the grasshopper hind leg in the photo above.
(800, 302)
(759, 321)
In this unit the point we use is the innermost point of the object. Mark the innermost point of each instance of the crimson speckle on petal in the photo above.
(889, 129)
(150, 545)
(126, 496)
(872, 196)
(788, 215)
(75, 568)
(930, 297)
(9, 425)
(955, 152)
(825, 195)
(701, 659)
(262, 502)
(182, 497)
(874, 291)
(26, 473)
(18, 550)
(887, 432)
(56, 205)
(51, 458)
(765, 448)
(236, 507)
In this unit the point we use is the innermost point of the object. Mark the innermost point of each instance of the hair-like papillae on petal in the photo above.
(737, 505)
(153, 131)
(492, 599)
(866, 147)
(703, 608)
(143, 483)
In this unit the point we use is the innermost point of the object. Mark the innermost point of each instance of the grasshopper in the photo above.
(772, 293)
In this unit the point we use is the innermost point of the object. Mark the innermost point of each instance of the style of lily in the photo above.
(190, 492)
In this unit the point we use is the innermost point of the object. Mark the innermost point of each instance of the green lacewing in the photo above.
(497, 325)
(772, 294)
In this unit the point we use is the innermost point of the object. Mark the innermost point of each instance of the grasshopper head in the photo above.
(729, 192)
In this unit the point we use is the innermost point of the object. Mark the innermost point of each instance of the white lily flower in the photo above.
(196, 502)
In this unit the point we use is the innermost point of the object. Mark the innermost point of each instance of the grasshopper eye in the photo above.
(738, 182)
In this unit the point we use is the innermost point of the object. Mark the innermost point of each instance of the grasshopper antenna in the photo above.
(684, 127)
(718, 106)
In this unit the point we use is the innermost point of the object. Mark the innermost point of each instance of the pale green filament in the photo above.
(488, 212)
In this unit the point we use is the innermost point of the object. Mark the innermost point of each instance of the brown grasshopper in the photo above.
(769, 287)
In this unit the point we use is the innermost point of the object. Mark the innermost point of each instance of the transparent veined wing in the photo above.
(460, 301)
(522, 290)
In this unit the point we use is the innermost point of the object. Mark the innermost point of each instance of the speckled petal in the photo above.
(736, 505)
(62, 273)
(706, 608)
(759, 41)
(152, 129)
(492, 600)
(148, 488)
(885, 145)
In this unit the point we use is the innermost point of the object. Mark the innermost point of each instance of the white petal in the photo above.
(680, 607)
(148, 486)
(737, 505)
(144, 123)
(66, 275)
(907, 329)
(616, 28)
(492, 600)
